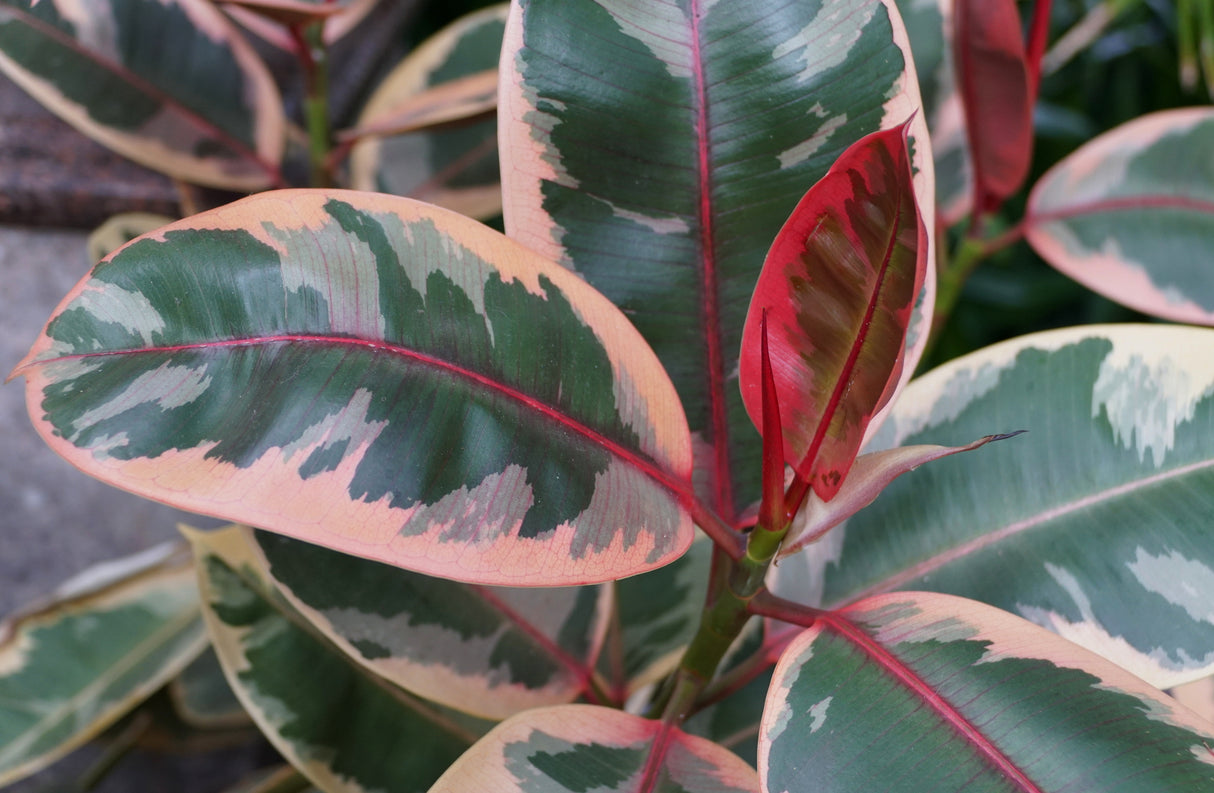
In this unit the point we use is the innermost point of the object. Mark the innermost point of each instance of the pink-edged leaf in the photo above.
(839, 287)
(657, 148)
(1130, 215)
(916, 691)
(580, 748)
(378, 376)
(997, 95)
(1038, 37)
(868, 477)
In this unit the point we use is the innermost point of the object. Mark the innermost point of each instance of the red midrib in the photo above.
(666, 480)
(955, 719)
(722, 484)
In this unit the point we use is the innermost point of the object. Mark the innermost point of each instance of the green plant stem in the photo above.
(314, 57)
(1206, 47)
(1186, 34)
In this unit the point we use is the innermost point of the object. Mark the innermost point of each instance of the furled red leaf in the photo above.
(869, 476)
(580, 748)
(378, 376)
(168, 83)
(656, 149)
(925, 692)
(839, 287)
(993, 79)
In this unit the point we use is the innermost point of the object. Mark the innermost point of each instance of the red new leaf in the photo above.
(838, 287)
(997, 94)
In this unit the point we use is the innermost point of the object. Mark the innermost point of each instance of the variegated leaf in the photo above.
(199, 106)
(927, 692)
(491, 651)
(579, 748)
(1094, 524)
(342, 726)
(838, 290)
(456, 168)
(1131, 213)
(121, 229)
(202, 697)
(377, 376)
(871, 474)
(112, 637)
(929, 25)
(657, 148)
(656, 615)
(1197, 696)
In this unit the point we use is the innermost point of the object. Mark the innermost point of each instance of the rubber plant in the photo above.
(518, 498)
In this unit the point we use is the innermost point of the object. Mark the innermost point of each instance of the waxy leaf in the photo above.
(1101, 509)
(377, 376)
(871, 474)
(996, 95)
(202, 697)
(70, 669)
(1197, 696)
(342, 726)
(199, 106)
(1131, 213)
(657, 148)
(455, 167)
(579, 748)
(491, 651)
(927, 692)
(838, 288)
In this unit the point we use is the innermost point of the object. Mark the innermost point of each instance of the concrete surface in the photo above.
(54, 520)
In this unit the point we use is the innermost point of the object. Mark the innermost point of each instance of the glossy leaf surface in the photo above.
(658, 148)
(334, 720)
(491, 651)
(997, 99)
(199, 106)
(70, 669)
(456, 168)
(838, 288)
(377, 376)
(1101, 509)
(578, 748)
(202, 697)
(871, 474)
(927, 692)
(1131, 213)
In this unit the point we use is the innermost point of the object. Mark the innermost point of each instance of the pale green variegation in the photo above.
(456, 168)
(929, 27)
(1131, 215)
(200, 106)
(579, 748)
(1094, 524)
(490, 651)
(928, 692)
(334, 720)
(658, 148)
(376, 375)
(111, 637)
(202, 697)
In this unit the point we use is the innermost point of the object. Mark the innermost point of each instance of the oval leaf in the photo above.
(578, 748)
(996, 96)
(490, 651)
(1100, 509)
(1131, 213)
(332, 719)
(377, 376)
(838, 288)
(199, 106)
(919, 692)
(70, 669)
(457, 167)
(657, 149)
